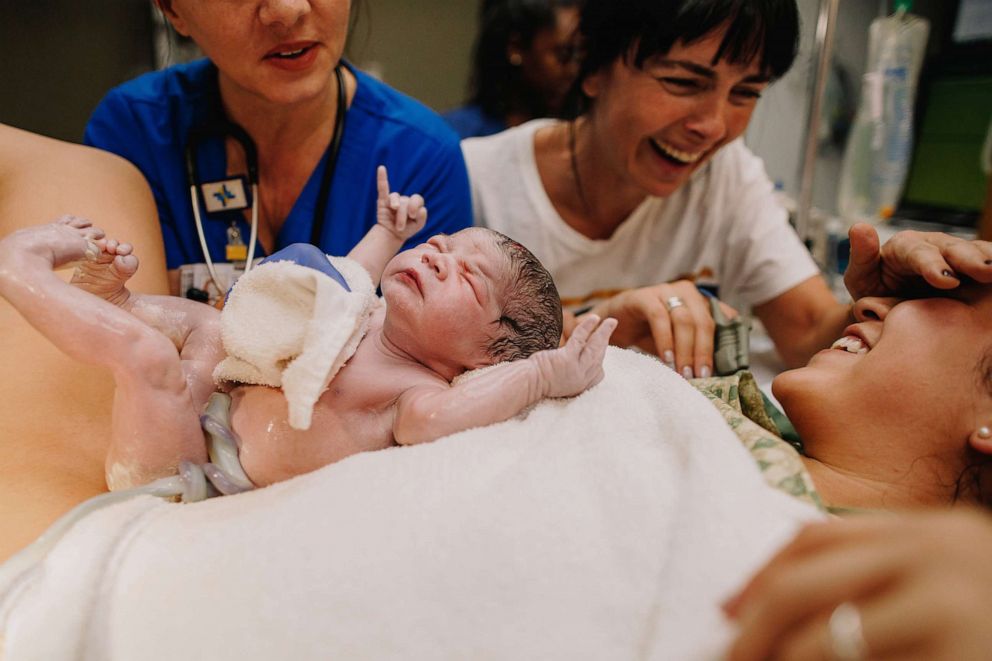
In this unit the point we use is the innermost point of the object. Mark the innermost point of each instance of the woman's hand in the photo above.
(671, 320)
(911, 262)
(922, 584)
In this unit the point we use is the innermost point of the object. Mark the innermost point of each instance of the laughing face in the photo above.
(279, 51)
(659, 123)
(444, 297)
(906, 368)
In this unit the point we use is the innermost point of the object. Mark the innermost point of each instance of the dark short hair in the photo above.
(495, 83)
(609, 29)
(531, 318)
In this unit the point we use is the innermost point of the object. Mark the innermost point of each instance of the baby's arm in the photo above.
(425, 413)
(398, 217)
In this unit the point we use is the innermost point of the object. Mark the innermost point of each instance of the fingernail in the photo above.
(669, 358)
(948, 273)
(687, 372)
(705, 372)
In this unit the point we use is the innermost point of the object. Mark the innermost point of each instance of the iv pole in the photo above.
(825, 25)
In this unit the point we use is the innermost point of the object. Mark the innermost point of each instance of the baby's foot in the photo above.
(105, 274)
(69, 239)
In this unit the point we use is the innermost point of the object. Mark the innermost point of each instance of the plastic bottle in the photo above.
(881, 139)
(854, 195)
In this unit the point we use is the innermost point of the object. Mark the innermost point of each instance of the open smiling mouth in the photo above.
(673, 155)
(851, 344)
(291, 54)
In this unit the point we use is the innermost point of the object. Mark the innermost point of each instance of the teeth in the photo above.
(292, 53)
(677, 154)
(850, 344)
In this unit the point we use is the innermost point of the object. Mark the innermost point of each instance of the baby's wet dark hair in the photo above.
(610, 29)
(531, 317)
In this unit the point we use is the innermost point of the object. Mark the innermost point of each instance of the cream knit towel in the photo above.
(293, 327)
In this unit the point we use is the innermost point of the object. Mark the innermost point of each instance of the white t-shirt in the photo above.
(722, 228)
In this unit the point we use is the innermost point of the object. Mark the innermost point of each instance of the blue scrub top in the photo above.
(147, 121)
(471, 122)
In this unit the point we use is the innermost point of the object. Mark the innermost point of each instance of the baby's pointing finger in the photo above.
(382, 182)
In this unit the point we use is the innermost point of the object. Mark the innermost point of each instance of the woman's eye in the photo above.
(746, 94)
(681, 85)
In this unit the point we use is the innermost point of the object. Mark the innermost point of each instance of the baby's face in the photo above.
(445, 297)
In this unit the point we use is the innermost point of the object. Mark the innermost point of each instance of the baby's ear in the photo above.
(981, 439)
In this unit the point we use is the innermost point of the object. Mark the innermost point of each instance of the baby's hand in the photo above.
(402, 215)
(578, 364)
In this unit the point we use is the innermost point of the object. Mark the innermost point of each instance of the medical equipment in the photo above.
(229, 194)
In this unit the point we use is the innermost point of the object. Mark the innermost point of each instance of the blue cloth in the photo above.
(470, 122)
(147, 121)
(310, 256)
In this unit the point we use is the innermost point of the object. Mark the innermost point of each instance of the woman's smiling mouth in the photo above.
(673, 154)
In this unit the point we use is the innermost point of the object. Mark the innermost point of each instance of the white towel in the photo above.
(293, 327)
(608, 526)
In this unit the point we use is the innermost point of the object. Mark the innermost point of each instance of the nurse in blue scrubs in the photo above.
(275, 69)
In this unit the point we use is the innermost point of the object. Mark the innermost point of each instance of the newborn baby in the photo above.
(455, 303)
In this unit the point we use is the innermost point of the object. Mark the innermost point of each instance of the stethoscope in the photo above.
(233, 187)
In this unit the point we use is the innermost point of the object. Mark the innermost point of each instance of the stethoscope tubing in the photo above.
(252, 240)
(251, 160)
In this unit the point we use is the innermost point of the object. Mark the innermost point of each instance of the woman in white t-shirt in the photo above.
(651, 184)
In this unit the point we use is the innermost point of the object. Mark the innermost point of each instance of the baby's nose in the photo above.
(437, 263)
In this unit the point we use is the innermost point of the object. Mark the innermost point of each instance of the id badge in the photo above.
(225, 195)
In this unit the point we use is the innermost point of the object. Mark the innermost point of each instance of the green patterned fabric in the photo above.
(742, 405)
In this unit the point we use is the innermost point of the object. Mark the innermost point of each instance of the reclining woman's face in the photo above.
(907, 368)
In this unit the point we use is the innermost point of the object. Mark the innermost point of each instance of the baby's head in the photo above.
(475, 298)
(531, 320)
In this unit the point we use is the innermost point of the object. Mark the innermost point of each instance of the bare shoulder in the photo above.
(55, 413)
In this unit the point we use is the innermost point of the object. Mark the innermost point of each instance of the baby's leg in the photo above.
(155, 422)
(193, 328)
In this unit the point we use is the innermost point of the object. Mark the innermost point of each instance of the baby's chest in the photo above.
(342, 424)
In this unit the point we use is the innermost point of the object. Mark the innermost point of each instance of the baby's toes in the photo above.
(124, 266)
(92, 234)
